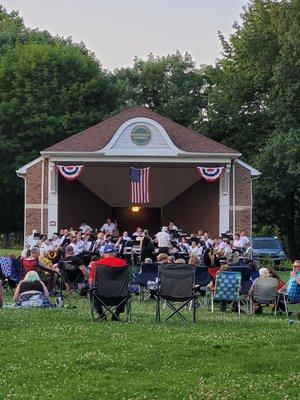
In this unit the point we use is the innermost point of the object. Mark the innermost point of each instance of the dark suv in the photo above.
(268, 247)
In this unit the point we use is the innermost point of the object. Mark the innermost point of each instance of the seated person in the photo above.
(292, 287)
(72, 268)
(180, 261)
(109, 227)
(193, 260)
(184, 246)
(263, 289)
(30, 263)
(244, 240)
(172, 226)
(109, 260)
(170, 260)
(162, 258)
(212, 286)
(31, 292)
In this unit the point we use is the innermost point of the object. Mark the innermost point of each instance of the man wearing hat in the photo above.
(292, 287)
(109, 260)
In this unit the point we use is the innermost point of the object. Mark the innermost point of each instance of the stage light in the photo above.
(135, 209)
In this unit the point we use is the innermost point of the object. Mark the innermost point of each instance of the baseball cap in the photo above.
(109, 248)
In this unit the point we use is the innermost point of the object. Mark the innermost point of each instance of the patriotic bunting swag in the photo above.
(211, 174)
(70, 172)
(139, 185)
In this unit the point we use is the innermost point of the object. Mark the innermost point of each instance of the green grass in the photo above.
(9, 252)
(60, 354)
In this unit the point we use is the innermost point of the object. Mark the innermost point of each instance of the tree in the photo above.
(171, 86)
(253, 99)
(49, 90)
(279, 162)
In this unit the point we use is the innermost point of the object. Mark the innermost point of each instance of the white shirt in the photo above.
(197, 251)
(31, 241)
(173, 228)
(84, 228)
(108, 228)
(227, 249)
(163, 239)
(237, 244)
(221, 247)
(78, 247)
(244, 241)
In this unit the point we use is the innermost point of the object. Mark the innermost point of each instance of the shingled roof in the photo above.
(97, 136)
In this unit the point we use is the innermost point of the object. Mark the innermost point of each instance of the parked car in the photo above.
(268, 246)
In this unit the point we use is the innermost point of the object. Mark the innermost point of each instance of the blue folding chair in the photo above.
(148, 273)
(228, 285)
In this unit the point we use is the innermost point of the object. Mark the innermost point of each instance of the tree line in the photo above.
(51, 88)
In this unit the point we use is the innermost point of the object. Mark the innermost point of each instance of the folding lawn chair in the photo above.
(228, 285)
(111, 292)
(264, 293)
(176, 285)
(202, 279)
(70, 278)
(148, 273)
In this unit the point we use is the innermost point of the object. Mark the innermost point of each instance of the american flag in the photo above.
(139, 184)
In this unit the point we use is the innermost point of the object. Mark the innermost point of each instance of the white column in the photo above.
(52, 199)
(224, 200)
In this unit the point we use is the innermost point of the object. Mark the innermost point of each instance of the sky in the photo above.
(118, 30)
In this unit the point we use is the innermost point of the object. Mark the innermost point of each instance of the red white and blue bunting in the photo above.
(211, 174)
(70, 172)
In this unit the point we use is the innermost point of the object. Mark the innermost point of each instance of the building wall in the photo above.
(34, 200)
(196, 208)
(243, 200)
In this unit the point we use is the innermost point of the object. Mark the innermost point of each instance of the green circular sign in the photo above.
(141, 135)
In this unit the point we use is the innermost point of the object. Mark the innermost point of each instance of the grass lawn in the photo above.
(8, 252)
(60, 354)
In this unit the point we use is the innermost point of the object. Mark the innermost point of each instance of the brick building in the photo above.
(177, 190)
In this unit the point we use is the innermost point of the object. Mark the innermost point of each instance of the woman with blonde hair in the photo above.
(31, 292)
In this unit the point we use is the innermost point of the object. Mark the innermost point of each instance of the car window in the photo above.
(266, 244)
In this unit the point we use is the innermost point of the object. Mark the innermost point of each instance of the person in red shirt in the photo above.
(109, 260)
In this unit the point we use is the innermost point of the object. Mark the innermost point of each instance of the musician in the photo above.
(196, 250)
(244, 239)
(207, 240)
(172, 226)
(138, 233)
(184, 246)
(147, 246)
(163, 240)
(237, 244)
(84, 227)
(109, 227)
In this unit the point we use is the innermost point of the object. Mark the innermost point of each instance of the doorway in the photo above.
(146, 218)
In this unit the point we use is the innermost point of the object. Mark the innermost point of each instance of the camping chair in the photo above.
(246, 284)
(227, 289)
(111, 290)
(70, 276)
(202, 279)
(264, 293)
(176, 285)
(148, 273)
(286, 301)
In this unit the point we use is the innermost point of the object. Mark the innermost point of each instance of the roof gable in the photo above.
(98, 136)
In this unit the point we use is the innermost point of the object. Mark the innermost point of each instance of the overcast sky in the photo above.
(118, 30)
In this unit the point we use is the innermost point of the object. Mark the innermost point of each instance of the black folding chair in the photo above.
(111, 292)
(148, 273)
(176, 285)
(71, 276)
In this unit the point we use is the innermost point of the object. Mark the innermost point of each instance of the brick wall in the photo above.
(242, 200)
(33, 198)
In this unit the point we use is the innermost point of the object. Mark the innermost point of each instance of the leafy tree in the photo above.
(49, 90)
(279, 162)
(171, 86)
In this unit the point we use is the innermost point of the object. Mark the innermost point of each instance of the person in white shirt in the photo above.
(221, 246)
(196, 250)
(32, 240)
(184, 246)
(163, 240)
(78, 244)
(237, 244)
(139, 232)
(227, 249)
(109, 227)
(55, 242)
(244, 239)
(84, 227)
(207, 240)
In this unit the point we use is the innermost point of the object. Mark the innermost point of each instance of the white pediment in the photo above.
(141, 136)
